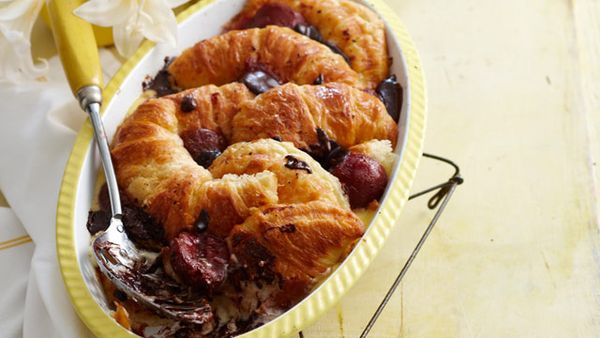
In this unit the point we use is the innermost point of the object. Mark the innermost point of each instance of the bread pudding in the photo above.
(252, 162)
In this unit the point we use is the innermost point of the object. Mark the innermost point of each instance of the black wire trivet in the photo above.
(440, 199)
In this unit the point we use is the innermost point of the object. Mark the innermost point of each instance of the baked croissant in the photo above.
(155, 168)
(151, 162)
(290, 56)
(297, 242)
(293, 113)
(300, 178)
(352, 27)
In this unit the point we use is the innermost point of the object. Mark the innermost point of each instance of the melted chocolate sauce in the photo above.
(142, 229)
(296, 164)
(161, 83)
(98, 221)
(182, 302)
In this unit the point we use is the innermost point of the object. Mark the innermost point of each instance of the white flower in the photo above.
(16, 22)
(133, 20)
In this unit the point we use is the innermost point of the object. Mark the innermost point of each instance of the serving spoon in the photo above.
(117, 256)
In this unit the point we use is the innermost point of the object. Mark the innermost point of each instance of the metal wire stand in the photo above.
(439, 200)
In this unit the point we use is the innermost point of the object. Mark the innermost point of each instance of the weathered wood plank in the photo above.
(514, 98)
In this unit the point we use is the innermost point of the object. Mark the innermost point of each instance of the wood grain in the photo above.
(513, 98)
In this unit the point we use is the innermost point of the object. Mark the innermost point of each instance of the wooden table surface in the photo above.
(514, 99)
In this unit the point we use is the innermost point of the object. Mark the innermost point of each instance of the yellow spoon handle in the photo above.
(76, 45)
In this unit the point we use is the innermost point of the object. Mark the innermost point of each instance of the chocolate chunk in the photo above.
(98, 221)
(142, 229)
(296, 164)
(161, 83)
(259, 81)
(319, 80)
(390, 93)
(313, 33)
(206, 158)
(327, 152)
(275, 14)
(201, 223)
(188, 103)
(334, 48)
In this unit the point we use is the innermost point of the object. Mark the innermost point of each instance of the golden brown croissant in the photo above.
(290, 56)
(293, 113)
(151, 163)
(213, 107)
(155, 168)
(229, 199)
(298, 242)
(354, 28)
(300, 178)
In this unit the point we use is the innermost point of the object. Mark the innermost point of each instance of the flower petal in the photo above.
(16, 24)
(127, 38)
(158, 23)
(106, 13)
(15, 53)
(16, 9)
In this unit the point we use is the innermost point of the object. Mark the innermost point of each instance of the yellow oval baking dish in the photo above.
(204, 19)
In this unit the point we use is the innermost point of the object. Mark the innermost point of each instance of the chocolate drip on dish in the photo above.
(161, 83)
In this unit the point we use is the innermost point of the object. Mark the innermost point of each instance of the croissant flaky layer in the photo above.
(298, 242)
(293, 113)
(295, 183)
(354, 28)
(290, 56)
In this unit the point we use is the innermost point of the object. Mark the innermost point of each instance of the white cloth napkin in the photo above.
(38, 125)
